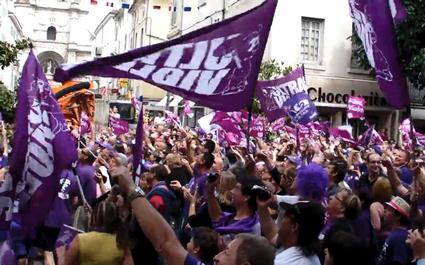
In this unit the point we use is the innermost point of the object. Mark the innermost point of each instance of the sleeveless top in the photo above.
(99, 249)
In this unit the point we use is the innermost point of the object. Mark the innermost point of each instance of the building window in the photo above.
(311, 39)
(174, 13)
(355, 46)
(51, 33)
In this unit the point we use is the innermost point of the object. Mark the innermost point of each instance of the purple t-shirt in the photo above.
(395, 249)
(60, 212)
(192, 261)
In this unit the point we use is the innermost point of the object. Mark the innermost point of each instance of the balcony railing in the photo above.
(417, 97)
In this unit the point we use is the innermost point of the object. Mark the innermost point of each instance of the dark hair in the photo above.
(232, 157)
(247, 182)
(340, 167)
(160, 172)
(208, 160)
(347, 249)
(310, 217)
(207, 240)
(90, 156)
(254, 249)
(105, 217)
(120, 148)
(209, 145)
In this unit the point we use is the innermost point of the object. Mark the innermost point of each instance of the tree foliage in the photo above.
(269, 70)
(411, 43)
(9, 52)
(7, 103)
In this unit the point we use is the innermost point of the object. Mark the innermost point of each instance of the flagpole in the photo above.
(412, 133)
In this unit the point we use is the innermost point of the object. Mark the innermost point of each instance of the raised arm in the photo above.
(268, 226)
(154, 226)
(214, 209)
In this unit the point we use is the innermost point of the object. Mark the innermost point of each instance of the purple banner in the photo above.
(216, 66)
(370, 136)
(118, 126)
(355, 108)
(374, 25)
(43, 147)
(287, 95)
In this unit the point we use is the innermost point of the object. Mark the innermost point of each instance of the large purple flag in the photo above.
(42, 146)
(287, 95)
(216, 66)
(374, 25)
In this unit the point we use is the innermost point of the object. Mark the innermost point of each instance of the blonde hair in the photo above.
(173, 160)
(227, 183)
(351, 203)
(381, 190)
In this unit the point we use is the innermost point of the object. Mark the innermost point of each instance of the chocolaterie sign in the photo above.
(322, 96)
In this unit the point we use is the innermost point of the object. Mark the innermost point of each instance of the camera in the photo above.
(261, 192)
(212, 177)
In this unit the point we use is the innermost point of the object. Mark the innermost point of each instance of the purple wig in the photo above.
(311, 182)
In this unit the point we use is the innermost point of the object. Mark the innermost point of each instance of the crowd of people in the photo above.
(198, 201)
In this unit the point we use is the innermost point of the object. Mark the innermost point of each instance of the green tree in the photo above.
(269, 70)
(9, 52)
(411, 43)
(7, 103)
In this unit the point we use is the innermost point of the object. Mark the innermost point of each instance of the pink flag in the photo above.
(342, 134)
(278, 125)
(187, 110)
(405, 131)
(257, 127)
(355, 108)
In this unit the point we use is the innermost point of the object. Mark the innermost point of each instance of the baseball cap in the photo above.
(399, 205)
(295, 160)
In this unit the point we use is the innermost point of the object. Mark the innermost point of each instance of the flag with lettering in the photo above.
(287, 95)
(374, 23)
(216, 66)
(118, 126)
(42, 147)
(355, 107)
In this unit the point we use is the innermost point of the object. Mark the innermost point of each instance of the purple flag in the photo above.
(85, 124)
(406, 133)
(355, 107)
(398, 11)
(287, 95)
(138, 147)
(118, 126)
(278, 125)
(371, 136)
(43, 147)
(375, 27)
(257, 127)
(342, 134)
(420, 138)
(216, 66)
(170, 117)
(187, 110)
(136, 104)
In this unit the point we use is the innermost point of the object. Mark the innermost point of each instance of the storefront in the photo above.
(331, 97)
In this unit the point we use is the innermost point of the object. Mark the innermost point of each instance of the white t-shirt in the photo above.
(294, 256)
